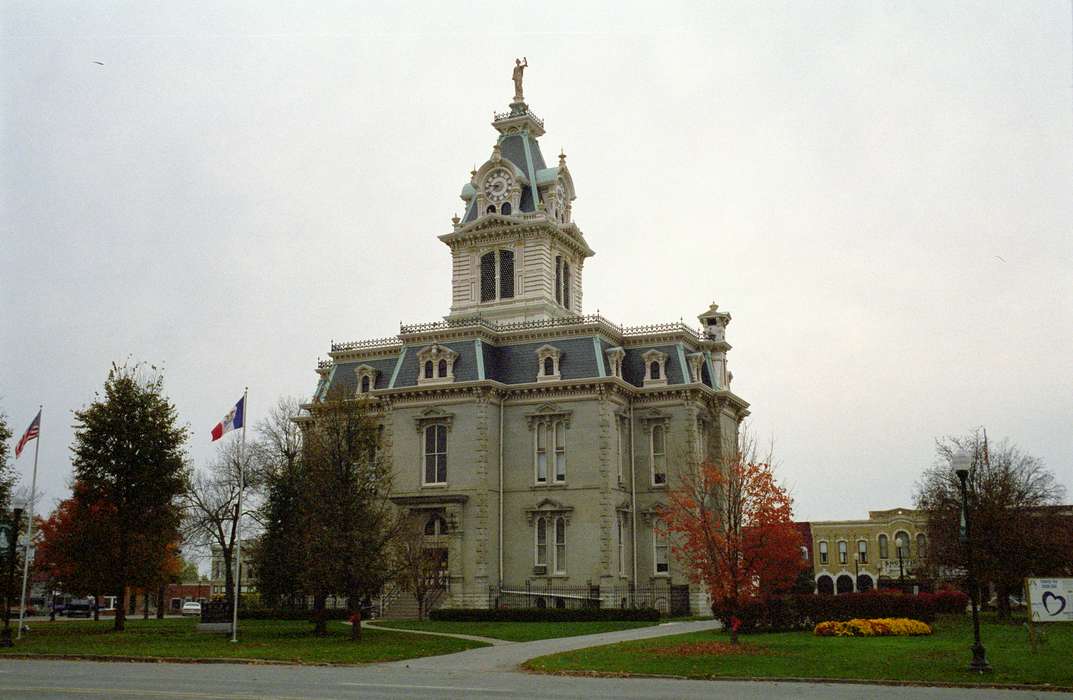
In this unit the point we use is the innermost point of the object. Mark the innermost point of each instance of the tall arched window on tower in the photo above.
(428, 369)
(442, 368)
(365, 384)
(506, 271)
(558, 279)
(922, 545)
(497, 275)
(488, 276)
(654, 370)
(435, 454)
(884, 547)
(566, 284)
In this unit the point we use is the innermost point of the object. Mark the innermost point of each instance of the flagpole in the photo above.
(238, 515)
(30, 529)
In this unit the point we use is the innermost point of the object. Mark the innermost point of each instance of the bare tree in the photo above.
(417, 566)
(210, 506)
(1018, 529)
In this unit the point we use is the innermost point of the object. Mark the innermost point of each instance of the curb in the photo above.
(174, 660)
(1044, 687)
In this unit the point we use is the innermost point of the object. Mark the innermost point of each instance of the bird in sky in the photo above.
(98, 63)
(1001, 258)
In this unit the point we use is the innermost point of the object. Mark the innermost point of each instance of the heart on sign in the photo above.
(1060, 603)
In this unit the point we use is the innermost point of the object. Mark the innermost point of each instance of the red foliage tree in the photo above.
(731, 525)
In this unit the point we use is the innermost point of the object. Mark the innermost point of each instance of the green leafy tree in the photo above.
(188, 572)
(7, 471)
(128, 452)
(346, 518)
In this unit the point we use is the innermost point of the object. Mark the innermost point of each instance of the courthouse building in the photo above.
(534, 441)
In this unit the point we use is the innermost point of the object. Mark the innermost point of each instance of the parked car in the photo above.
(191, 608)
(79, 607)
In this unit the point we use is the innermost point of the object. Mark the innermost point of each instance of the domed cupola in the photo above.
(517, 253)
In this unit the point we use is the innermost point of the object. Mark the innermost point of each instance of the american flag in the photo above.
(30, 434)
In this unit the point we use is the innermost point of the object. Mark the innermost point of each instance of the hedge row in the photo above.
(949, 602)
(543, 614)
(805, 611)
(290, 614)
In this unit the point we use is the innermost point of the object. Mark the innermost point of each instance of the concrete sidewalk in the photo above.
(507, 657)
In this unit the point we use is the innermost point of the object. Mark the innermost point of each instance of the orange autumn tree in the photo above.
(731, 524)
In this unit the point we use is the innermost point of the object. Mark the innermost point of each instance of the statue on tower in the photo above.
(519, 67)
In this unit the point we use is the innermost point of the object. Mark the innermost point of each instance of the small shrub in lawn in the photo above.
(290, 614)
(544, 615)
(886, 627)
(804, 611)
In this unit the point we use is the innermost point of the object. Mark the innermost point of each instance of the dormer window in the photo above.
(366, 378)
(437, 363)
(614, 361)
(497, 275)
(548, 363)
(655, 368)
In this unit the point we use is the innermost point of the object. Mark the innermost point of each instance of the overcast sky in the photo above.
(879, 192)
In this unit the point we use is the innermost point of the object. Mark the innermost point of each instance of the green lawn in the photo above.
(515, 631)
(274, 640)
(942, 657)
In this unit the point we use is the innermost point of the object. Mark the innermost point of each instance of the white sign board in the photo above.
(1050, 599)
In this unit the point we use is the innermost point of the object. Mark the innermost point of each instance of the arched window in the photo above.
(558, 279)
(862, 551)
(566, 284)
(864, 583)
(506, 271)
(541, 542)
(825, 585)
(922, 545)
(505, 209)
(659, 455)
(823, 552)
(804, 553)
(436, 454)
(842, 552)
(491, 209)
(653, 370)
(442, 368)
(844, 584)
(428, 369)
(365, 384)
(659, 544)
(497, 275)
(560, 545)
(560, 451)
(884, 547)
(619, 527)
(901, 544)
(542, 453)
(488, 276)
(435, 525)
(549, 366)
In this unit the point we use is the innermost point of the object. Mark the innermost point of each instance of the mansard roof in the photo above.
(505, 353)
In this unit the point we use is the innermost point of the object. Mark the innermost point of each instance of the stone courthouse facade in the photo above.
(536, 442)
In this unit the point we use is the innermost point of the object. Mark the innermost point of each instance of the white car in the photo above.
(191, 608)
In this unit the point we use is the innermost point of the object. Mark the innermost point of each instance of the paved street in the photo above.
(478, 673)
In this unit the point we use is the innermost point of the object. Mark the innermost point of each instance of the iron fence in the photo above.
(668, 598)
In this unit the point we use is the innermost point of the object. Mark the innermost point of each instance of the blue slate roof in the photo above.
(516, 364)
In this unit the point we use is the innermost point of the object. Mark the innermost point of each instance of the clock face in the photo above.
(497, 185)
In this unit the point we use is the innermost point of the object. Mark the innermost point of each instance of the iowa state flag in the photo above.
(233, 419)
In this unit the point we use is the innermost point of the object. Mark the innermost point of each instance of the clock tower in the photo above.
(517, 253)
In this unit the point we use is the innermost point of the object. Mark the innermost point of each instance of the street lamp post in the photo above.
(901, 565)
(979, 663)
(857, 572)
(12, 535)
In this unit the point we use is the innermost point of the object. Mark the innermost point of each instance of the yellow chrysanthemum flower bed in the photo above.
(882, 627)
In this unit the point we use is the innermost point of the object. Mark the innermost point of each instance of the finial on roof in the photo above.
(473, 173)
(455, 219)
(562, 157)
(497, 152)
